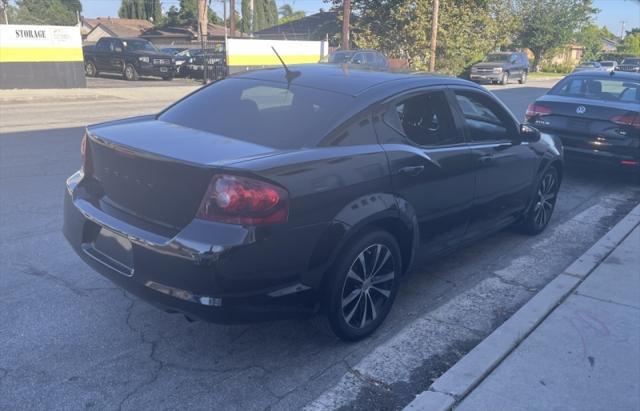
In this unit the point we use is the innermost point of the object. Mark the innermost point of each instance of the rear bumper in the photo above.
(187, 273)
(603, 157)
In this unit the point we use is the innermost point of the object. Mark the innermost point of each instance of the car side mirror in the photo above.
(529, 133)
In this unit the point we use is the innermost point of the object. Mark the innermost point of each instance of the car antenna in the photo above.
(290, 75)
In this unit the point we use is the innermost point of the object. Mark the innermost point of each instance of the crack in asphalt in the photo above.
(153, 347)
(31, 270)
(367, 379)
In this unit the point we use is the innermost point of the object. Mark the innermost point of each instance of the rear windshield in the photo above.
(599, 89)
(260, 112)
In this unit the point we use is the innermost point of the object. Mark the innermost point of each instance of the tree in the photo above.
(187, 13)
(53, 12)
(287, 14)
(631, 44)
(548, 25)
(468, 29)
(590, 37)
(265, 14)
(141, 9)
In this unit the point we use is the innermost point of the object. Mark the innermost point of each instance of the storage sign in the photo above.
(28, 43)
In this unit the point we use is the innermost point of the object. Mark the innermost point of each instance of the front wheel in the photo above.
(505, 79)
(168, 78)
(130, 73)
(537, 217)
(363, 285)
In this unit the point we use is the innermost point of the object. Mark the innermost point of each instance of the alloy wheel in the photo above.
(368, 286)
(546, 199)
(90, 69)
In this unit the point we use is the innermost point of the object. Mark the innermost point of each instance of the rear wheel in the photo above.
(168, 78)
(90, 69)
(130, 73)
(363, 285)
(544, 202)
(523, 79)
(505, 78)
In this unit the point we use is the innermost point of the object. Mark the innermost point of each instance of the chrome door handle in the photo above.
(411, 170)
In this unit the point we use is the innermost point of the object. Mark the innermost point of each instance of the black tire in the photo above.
(90, 69)
(130, 73)
(523, 78)
(505, 78)
(168, 78)
(362, 285)
(541, 209)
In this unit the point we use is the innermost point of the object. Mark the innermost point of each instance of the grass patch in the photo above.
(542, 74)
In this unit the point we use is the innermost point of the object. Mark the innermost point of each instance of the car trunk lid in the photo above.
(159, 171)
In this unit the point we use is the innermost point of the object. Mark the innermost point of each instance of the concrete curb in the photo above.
(468, 373)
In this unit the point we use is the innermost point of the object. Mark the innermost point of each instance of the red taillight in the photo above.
(242, 200)
(536, 110)
(632, 120)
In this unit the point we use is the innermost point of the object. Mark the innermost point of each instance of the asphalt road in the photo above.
(69, 339)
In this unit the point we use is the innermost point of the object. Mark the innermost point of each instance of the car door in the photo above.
(430, 164)
(102, 54)
(515, 69)
(504, 166)
(116, 61)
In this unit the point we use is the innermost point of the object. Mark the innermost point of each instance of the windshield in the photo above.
(589, 64)
(498, 58)
(606, 63)
(264, 113)
(341, 57)
(631, 61)
(136, 45)
(598, 89)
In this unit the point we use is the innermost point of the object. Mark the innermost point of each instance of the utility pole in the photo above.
(202, 21)
(251, 18)
(232, 6)
(622, 22)
(434, 35)
(224, 19)
(346, 16)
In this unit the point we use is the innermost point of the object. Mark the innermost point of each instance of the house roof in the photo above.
(188, 31)
(303, 28)
(119, 27)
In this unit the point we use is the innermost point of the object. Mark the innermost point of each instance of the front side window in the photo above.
(485, 121)
(425, 119)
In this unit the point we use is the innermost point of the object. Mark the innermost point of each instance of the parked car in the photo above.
(370, 59)
(596, 114)
(589, 65)
(501, 67)
(631, 64)
(215, 60)
(131, 57)
(281, 192)
(608, 65)
(182, 61)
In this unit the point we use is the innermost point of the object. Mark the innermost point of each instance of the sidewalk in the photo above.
(574, 346)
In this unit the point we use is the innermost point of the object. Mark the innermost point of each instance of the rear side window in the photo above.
(265, 113)
(598, 88)
(425, 119)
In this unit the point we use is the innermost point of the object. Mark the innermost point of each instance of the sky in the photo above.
(612, 12)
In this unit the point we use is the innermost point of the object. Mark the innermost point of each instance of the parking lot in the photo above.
(71, 339)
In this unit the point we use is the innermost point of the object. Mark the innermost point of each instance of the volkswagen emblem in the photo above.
(581, 109)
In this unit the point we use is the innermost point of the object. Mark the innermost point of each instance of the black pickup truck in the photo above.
(131, 57)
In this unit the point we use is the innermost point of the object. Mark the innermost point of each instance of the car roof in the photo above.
(604, 74)
(346, 79)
